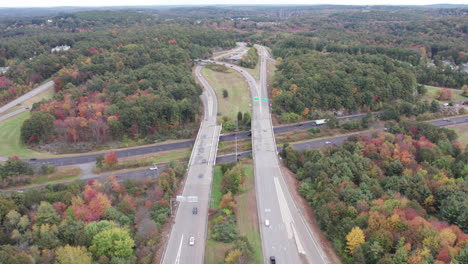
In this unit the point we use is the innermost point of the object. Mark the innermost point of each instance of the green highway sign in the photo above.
(256, 99)
(264, 99)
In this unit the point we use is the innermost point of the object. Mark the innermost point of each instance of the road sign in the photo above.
(264, 99)
(192, 199)
(256, 99)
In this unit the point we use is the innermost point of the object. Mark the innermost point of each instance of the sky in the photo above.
(53, 3)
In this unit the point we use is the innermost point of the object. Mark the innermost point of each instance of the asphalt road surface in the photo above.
(84, 158)
(17, 112)
(41, 88)
(144, 173)
(197, 188)
(287, 237)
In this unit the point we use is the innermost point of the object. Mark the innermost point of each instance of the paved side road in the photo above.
(41, 88)
(84, 158)
(144, 173)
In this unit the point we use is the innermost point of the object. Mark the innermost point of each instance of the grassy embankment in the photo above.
(462, 132)
(238, 99)
(61, 174)
(246, 216)
(431, 91)
(142, 161)
(10, 143)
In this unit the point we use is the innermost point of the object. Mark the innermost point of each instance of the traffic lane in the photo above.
(170, 146)
(120, 153)
(450, 121)
(41, 88)
(187, 225)
(17, 112)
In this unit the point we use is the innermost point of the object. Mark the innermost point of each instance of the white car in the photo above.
(154, 168)
(327, 142)
(191, 241)
(267, 222)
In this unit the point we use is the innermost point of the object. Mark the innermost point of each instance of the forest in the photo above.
(392, 197)
(87, 222)
(316, 81)
(133, 83)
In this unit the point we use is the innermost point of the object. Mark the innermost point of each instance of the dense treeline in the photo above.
(390, 198)
(306, 83)
(120, 83)
(87, 223)
(250, 59)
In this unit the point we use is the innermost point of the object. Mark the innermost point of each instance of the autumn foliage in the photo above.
(389, 196)
(110, 159)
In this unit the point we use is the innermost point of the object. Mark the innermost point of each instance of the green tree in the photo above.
(94, 228)
(114, 242)
(455, 209)
(46, 214)
(435, 107)
(72, 255)
(37, 128)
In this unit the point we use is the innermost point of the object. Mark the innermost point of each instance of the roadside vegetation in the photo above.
(91, 222)
(17, 173)
(44, 96)
(233, 227)
(445, 95)
(402, 193)
(462, 132)
(250, 60)
(109, 162)
(10, 142)
(233, 96)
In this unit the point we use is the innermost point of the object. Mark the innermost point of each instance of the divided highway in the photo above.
(284, 231)
(192, 214)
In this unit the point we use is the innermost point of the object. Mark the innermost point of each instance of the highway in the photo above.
(318, 143)
(197, 188)
(288, 237)
(41, 88)
(84, 158)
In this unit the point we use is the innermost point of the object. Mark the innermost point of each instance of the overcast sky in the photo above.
(51, 3)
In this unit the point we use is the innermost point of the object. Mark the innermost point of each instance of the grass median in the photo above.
(238, 98)
(246, 218)
(10, 142)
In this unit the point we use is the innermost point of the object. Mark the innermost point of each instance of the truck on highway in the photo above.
(320, 122)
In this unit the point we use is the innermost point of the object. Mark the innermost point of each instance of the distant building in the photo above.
(4, 69)
(60, 48)
(49, 21)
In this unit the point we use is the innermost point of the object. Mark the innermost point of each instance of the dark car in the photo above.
(33, 159)
(249, 134)
(195, 210)
(272, 260)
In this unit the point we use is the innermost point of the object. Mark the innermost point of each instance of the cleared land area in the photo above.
(10, 143)
(462, 132)
(457, 94)
(238, 93)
